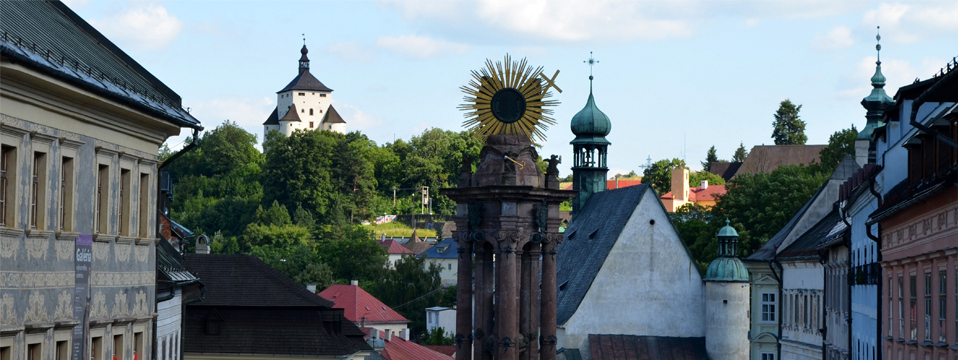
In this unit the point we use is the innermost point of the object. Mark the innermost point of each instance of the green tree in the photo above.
(437, 336)
(413, 286)
(695, 179)
(710, 157)
(840, 143)
(788, 127)
(740, 153)
(659, 175)
(698, 227)
(350, 252)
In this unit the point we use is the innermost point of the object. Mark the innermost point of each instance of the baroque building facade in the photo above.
(80, 127)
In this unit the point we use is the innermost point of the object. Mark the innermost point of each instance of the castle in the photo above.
(305, 103)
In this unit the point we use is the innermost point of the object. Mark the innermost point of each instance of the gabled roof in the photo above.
(806, 246)
(246, 281)
(767, 158)
(632, 347)
(399, 349)
(273, 118)
(169, 265)
(305, 81)
(393, 247)
(51, 38)
(445, 249)
(332, 116)
(291, 115)
(417, 245)
(588, 241)
(359, 306)
(725, 169)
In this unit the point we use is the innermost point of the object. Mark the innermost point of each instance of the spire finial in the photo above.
(304, 39)
(878, 44)
(592, 61)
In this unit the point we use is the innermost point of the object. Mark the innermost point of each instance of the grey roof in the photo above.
(305, 81)
(169, 265)
(332, 116)
(291, 115)
(588, 241)
(51, 38)
(845, 169)
(806, 246)
(246, 281)
(445, 249)
(273, 118)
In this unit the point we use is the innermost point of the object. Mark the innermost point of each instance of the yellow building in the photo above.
(705, 195)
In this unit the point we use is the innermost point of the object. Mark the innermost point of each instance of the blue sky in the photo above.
(675, 77)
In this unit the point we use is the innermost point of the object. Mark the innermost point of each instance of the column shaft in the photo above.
(548, 311)
(464, 299)
(507, 298)
(485, 287)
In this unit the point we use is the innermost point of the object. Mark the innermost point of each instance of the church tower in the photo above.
(876, 103)
(727, 301)
(589, 168)
(304, 104)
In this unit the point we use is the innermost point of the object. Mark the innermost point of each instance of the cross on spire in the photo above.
(304, 39)
(878, 44)
(592, 61)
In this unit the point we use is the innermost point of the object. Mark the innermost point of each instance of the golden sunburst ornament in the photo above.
(509, 98)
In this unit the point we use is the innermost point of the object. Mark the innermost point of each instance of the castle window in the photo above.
(311, 123)
(302, 94)
(322, 95)
(311, 113)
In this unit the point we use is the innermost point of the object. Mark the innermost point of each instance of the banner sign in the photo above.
(83, 259)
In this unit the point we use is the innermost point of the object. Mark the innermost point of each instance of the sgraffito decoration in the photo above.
(140, 307)
(122, 252)
(64, 310)
(7, 315)
(64, 250)
(99, 306)
(142, 253)
(37, 248)
(36, 311)
(101, 250)
(9, 246)
(120, 308)
(509, 98)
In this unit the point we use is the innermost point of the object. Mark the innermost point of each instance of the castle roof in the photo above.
(291, 115)
(273, 118)
(332, 116)
(305, 81)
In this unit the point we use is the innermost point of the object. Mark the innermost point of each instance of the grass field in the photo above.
(399, 230)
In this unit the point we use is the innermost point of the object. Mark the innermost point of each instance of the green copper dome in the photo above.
(876, 102)
(725, 268)
(727, 230)
(591, 124)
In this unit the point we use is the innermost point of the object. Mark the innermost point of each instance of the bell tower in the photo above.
(876, 103)
(590, 148)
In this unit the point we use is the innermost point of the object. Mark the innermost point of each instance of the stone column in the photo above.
(507, 299)
(464, 298)
(485, 283)
(547, 334)
(529, 302)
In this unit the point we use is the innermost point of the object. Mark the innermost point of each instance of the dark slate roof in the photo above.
(632, 347)
(244, 280)
(269, 331)
(588, 241)
(273, 118)
(725, 169)
(169, 265)
(51, 38)
(806, 246)
(291, 115)
(767, 158)
(332, 116)
(445, 249)
(305, 81)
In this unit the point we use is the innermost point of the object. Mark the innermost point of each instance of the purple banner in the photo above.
(83, 258)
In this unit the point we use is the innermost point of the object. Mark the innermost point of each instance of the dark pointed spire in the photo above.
(303, 60)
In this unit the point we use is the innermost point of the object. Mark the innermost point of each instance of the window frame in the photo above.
(12, 149)
(768, 307)
(66, 192)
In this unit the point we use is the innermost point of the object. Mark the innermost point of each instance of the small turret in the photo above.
(875, 103)
(589, 168)
(727, 301)
(303, 60)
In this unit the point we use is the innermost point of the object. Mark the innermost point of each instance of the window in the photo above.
(102, 201)
(63, 351)
(310, 123)
(144, 202)
(768, 356)
(126, 199)
(96, 350)
(35, 351)
(66, 195)
(302, 94)
(942, 305)
(796, 313)
(890, 307)
(118, 347)
(913, 307)
(6, 353)
(322, 95)
(928, 307)
(768, 307)
(450, 266)
(805, 312)
(38, 190)
(311, 113)
(901, 308)
(138, 346)
(8, 165)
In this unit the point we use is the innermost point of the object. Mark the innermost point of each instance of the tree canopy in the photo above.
(659, 175)
(740, 153)
(788, 127)
(710, 157)
(840, 143)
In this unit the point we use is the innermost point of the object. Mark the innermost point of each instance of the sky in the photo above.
(675, 77)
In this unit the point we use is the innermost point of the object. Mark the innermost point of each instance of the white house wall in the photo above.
(802, 278)
(648, 281)
(763, 335)
(864, 297)
(168, 325)
(449, 272)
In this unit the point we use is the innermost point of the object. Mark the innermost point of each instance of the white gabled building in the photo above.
(304, 104)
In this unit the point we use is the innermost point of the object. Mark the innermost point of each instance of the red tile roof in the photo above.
(359, 306)
(611, 184)
(632, 347)
(698, 194)
(399, 349)
(393, 247)
(442, 349)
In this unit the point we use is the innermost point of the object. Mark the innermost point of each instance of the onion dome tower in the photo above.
(876, 103)
(727, 301)
(589, 168)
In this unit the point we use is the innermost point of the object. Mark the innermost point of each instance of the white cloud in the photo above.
(357, 119)
(420, 47)
(144, 25)
(248, 113)
(897, 73)
(751, 22)
(350, 51)
(839, 37)
(74, 4)
(901, 23)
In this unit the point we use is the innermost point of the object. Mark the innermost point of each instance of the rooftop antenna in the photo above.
(648, 163)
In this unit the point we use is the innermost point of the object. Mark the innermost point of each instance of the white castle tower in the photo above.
(304, 104)
(727, 301)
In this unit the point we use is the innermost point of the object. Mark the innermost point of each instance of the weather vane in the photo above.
(509, 98)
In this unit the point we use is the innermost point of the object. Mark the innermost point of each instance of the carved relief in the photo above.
(7, 315)
(9, 246)
(112, 279)
(98, 311)
(120, 308)
(101, 250)
(65, 249)
(140, 308)
(142, 253)
(36, 311)
(37, 248)
(123, 252)
(64, 310)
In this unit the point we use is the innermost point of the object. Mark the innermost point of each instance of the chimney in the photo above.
(311, 288)
(705, 184)
(389, 335)
(202, 248)
(616, 183)
(354, 282)
(680, 183)
(373, 333)
(405, 334)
